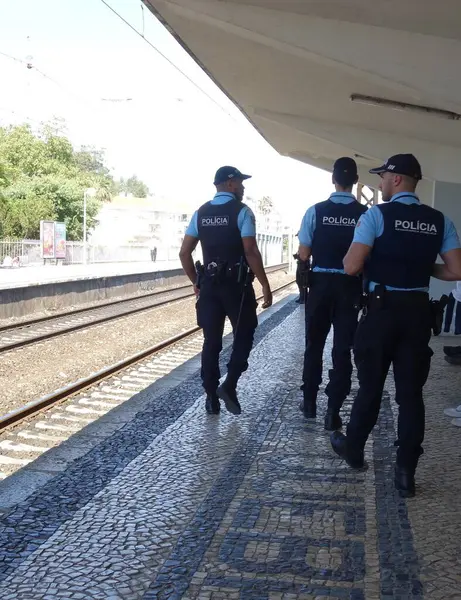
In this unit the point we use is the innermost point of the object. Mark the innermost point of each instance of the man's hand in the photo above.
(196, 291)
(267, 293)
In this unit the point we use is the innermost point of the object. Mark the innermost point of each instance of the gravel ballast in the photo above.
(34, 371)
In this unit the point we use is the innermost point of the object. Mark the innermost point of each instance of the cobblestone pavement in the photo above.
(179, 504)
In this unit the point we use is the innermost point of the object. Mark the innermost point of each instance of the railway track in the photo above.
(29, 431)
(37, 330)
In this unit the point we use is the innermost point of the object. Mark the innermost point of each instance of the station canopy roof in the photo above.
(325, 78)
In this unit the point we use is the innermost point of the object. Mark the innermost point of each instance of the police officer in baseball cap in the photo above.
(226, 229)
(326, 233)
(396, 244)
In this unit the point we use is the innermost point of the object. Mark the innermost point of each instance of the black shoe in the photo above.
(298, 300)
(339, 444)
(332, 420)
(229, 395)
(405, 482)
(452, 350)
(212, 405)
(309, 409)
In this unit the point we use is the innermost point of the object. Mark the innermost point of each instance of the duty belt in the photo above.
(220, 272)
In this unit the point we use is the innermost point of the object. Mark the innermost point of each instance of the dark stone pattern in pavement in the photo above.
(25, 528)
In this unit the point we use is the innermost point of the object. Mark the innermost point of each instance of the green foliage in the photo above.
(133, 186)
(43, 177)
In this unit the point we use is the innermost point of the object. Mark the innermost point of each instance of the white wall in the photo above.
(447, 199)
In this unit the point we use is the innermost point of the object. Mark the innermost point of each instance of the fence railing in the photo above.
(28, 252)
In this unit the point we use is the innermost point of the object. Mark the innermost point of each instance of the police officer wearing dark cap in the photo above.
(396, 244)
(226, 230)
(326, 233)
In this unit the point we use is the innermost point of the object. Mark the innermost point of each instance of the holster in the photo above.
(377, 298)
(437, 312)
(365, 296)
(304, 273)
(220, 272)
(198, 274)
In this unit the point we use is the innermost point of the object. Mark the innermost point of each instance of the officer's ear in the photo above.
(333, 181)
(356, 180)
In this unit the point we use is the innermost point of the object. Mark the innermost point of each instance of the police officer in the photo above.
(326, 232)
(226, 230)
(398, 243)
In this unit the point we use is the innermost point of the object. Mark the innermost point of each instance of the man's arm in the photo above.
(450, 253)
(247, 226)
(306, 234)
(188, 246)
(185, 256)
(304, 252)
(450, 270)
(369, 227)
(355, 258)
(255, 262)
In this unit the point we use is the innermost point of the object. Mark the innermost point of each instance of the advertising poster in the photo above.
(47, 239)
(60, 240)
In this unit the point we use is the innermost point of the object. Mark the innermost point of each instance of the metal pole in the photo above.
(84, 227)
(290, 251)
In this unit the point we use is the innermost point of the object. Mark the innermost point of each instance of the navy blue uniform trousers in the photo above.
(333, 300)
(395, 333)
(216, 302)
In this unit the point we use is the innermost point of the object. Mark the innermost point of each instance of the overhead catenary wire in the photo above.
(31, 66)
(154, 47)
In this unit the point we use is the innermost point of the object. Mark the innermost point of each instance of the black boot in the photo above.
(308, 408)
(405, 482)
(332, 420)
(227, 392)
(339, 444)
(212, 405)
(452, 350)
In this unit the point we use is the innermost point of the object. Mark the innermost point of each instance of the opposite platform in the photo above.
(178, 504)
(41, 274)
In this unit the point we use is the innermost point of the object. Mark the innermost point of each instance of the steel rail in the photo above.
(20, 414)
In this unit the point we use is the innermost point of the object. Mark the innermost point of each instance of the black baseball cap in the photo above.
(401, 164)
(224, 174)
(345, 166)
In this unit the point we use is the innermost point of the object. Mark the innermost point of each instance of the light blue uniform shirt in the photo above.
(246, 220)
(371, 226)
(308, 224)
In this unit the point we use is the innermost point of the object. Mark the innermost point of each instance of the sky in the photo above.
(87, 63)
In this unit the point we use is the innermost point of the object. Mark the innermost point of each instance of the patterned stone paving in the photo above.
(182, 505)
(435, 514)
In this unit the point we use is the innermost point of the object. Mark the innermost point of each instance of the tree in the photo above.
(43, 177)
(133, 186)
(265, 205)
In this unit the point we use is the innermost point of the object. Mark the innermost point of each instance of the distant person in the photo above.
(153, 249)
(226, 230)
